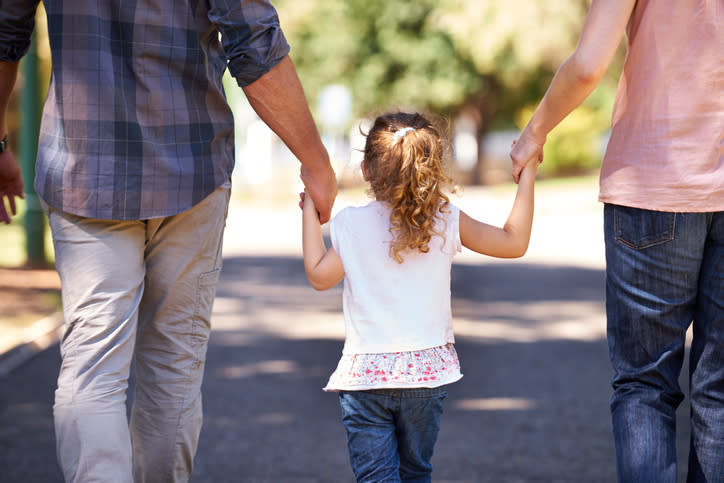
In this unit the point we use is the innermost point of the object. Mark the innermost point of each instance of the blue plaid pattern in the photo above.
(136, 123)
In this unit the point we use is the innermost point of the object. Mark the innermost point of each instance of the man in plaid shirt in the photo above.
(134, 163)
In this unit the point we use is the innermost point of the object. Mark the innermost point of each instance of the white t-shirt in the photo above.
(388, 306)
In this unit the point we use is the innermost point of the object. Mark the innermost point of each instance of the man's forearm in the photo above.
(8, 75)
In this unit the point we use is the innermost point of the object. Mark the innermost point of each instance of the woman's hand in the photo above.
(524, 151)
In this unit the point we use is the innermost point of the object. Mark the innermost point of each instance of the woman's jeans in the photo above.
(391, 433)
(665, 271)
(144, 290)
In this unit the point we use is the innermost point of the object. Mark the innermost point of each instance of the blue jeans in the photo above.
(663, 272)
(391, 433)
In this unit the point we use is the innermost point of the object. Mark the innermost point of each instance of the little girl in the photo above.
(395, 256)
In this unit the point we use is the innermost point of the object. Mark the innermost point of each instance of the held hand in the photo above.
(306, 203)
(11, 185)
(321, 187)
(525, 151)
(528, 173)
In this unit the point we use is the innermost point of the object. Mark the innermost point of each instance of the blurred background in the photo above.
(480, 66)
(533, 405)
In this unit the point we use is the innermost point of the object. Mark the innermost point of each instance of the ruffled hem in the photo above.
(431, 367)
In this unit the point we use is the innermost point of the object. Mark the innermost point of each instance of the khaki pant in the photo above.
(140, 289)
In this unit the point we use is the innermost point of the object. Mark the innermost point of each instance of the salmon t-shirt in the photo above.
(666, 150)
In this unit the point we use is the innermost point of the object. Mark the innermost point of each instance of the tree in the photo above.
(489, 60)
(387, 52)
(516, 46)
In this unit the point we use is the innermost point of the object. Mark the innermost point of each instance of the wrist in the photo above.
(529, 172)
(318, 166)
(535, 134)
(4, 146)
(308, 205)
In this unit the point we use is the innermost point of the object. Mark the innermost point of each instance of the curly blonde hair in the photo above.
(404, 163)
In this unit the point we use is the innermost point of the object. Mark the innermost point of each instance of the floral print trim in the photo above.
(425, 368)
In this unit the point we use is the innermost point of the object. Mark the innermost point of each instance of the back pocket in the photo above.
(638, 228)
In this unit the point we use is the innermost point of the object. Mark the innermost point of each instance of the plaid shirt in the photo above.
(136, 123)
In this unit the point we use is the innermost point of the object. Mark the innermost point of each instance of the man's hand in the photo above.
(11, 185)
(321, 186)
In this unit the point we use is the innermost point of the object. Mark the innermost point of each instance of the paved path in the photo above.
(532, 406)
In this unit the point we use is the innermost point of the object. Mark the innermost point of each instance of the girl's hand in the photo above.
(306, 203)
(309, 209)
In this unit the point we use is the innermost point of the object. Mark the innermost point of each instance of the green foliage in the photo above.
(492, 60)
(441, 55)
(387, 52)
(513, 38)
(13, 240)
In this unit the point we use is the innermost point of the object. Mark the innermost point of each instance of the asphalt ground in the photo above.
(532, 405)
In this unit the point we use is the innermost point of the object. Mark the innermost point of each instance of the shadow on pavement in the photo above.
(532, 405)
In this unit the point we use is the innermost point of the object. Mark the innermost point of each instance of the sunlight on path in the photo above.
(567, 232)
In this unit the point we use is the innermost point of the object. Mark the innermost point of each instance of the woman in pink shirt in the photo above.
(662, 182)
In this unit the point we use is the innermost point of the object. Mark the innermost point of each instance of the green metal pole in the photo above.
(28, 143)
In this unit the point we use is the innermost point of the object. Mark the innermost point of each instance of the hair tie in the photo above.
(400, 133)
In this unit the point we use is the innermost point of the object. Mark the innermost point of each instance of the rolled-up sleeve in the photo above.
(17, 21)
(251, 35)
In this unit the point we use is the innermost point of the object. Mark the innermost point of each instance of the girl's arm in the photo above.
(511, 241)
(576, 78)
(324, 267)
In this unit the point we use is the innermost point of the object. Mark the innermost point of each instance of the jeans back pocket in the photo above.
(639, 228)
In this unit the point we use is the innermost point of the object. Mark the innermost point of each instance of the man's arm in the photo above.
(11, 181)
(278, 98)
(576, 78)
(8, 75)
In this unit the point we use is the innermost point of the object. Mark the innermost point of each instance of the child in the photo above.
(395, 256)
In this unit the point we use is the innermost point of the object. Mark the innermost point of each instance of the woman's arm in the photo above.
(323, 267)
(576, 78)
(511, 241)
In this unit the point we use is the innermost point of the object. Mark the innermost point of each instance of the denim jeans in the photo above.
(391, 433)
(664, 272)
